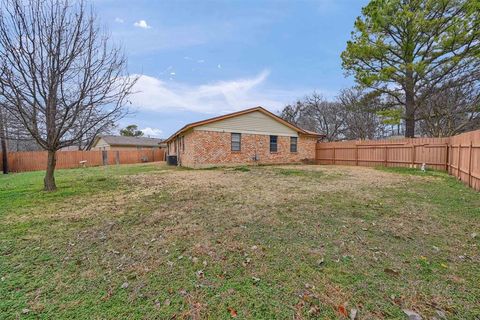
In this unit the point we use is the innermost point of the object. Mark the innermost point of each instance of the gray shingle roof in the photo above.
(132, 141)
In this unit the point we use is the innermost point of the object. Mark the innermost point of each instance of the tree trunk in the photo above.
(409, 121)
(49, 180)
(409, 106)
(3, 142)
(4, 155)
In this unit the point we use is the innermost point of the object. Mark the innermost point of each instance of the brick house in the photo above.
(245, 137)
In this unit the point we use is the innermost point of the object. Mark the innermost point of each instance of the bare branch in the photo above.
(63, 80)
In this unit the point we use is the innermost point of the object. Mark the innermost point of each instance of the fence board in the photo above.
(37, 160)
(459, 155)
(465, 158)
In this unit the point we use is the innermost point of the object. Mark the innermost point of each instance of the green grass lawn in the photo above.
(304, 242)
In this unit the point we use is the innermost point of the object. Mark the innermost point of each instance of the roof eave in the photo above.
(95, 141)
(316, 135)
(238, 113)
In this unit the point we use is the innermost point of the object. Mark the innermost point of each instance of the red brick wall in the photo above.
(204, 148)
(187, 156)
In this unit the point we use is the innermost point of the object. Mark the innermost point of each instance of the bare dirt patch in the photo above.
(266, 183)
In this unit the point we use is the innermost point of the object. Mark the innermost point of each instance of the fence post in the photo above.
(356, 154)
(470, 165)
(104, 157)
(333, 155)
(447, 158)
(386, 156)
(413, 156)
(459, 162)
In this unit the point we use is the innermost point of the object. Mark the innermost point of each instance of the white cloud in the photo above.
(142, 24)
(154, 94)
(119, 20)
(152, 132)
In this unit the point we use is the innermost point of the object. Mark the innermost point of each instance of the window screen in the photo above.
(236, 141)
(273, 143)
(293, 144)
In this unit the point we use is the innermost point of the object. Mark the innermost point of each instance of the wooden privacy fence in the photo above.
(464, 158)
(37, 160)
(458, 155)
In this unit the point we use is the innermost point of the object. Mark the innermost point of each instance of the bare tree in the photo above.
(451, 110)
(3, 140)
(293, 113)
(315, 113)
(15, 136)
(355, 114)
(63, 79)
(361, 119)
(328, 116)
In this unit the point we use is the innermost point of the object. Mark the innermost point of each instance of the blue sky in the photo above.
(198, 59)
